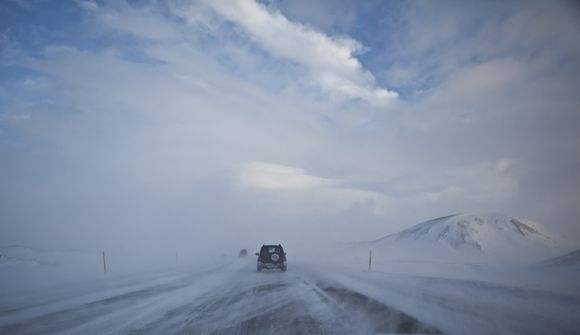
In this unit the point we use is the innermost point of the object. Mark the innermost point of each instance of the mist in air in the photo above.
(289, 167)
(189, 129)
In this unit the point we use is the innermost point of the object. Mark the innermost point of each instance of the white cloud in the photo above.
(88, 5)
(482, 184)
(470, 187)
(169, 134)
(276, 176)
(27, 4)
(329, 60)
(288, 189)
(141, 22)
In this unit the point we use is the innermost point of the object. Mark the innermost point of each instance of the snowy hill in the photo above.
(486, 237)
(569, 261)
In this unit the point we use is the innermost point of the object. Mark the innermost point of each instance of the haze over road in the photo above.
(233, 298)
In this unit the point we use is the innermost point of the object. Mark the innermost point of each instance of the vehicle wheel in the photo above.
(259, 268)
(283, 269)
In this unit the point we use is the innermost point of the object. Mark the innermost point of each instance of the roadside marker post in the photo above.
(104, 264)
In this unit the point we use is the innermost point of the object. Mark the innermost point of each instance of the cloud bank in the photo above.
(170, 125)
(330, 61)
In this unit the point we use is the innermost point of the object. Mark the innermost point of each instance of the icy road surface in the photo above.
(235, 299)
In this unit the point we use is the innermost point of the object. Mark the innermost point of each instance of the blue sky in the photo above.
(347, 119)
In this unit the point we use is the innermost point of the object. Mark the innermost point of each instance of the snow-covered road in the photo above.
(233, 299)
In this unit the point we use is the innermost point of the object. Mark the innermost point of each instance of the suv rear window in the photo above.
(272, 249)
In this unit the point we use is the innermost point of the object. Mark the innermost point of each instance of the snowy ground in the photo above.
(231, 298)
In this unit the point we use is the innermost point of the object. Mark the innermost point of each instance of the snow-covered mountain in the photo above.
(470, 237)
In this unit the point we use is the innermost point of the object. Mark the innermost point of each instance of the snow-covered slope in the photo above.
(470, 237)
(19, 255)
(569, 261)
(25, 267)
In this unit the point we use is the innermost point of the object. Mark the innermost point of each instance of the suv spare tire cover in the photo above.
(274, 257)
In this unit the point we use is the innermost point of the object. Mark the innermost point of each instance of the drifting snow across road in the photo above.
(231, 298)
(482, 238)
(227, 299)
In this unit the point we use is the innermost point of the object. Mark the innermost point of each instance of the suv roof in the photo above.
(265, 246)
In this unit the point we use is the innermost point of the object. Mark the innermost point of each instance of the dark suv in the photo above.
(271, 257)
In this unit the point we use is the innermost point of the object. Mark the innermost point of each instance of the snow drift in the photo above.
(569, 261)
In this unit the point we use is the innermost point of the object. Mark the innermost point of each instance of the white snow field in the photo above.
(232, 298)
(462, 274)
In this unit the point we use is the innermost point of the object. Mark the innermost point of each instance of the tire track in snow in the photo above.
(230, 300)
(284, 303)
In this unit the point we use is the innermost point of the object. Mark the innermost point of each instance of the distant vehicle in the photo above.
(271, 257)
(243, 253)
